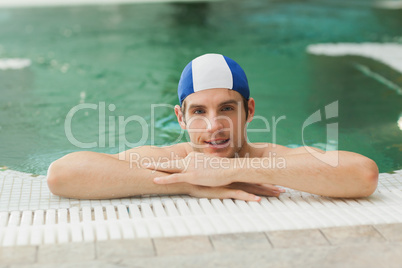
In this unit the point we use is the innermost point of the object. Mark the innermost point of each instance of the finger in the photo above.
(273, 187)
(174, 166)
(224, 193)
(255, 189)
(242, 195)
(261, 191)
(269, 191)
(270, 187)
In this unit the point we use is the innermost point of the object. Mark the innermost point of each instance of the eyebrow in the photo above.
(192, 106)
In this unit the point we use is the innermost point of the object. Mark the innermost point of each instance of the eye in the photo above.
(228, 108)
(198, 111)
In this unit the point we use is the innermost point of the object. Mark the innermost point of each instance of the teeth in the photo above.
(218, 142)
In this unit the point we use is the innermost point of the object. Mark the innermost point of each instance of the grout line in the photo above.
(378, 231)
(95, 250)
(269, 240)
(326, 238)
(212, 244)
(154, 246)
(36, 254)
(10, 194)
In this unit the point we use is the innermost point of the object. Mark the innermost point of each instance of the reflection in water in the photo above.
(391, 18)
(191, 14)
(400, 122)
(380, 78)
(367, 106)
(390, 5)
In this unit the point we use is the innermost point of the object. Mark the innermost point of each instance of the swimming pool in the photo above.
(131, 56)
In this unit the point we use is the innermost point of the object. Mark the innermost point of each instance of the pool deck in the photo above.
(353, 246)
(377, 243)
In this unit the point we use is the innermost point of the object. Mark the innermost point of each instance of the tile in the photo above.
(278, 258)
(64, 253)
(240, 241)
(301, 256)
(18, 255)
(352, 234)
(182, 245)
(362, 255)
(297, 238)
(237, 259)
(395, 253)
(85, 264)
(115, 250)
(391, 232)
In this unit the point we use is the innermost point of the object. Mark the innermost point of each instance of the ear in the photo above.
(180, 117)
(251, 109)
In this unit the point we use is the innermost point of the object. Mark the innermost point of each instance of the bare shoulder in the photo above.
(175, 151)
(283, 150)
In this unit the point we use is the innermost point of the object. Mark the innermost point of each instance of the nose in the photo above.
(215, 124)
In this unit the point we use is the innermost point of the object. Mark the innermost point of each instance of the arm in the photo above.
(333, 173)
(353, 176)
(93, 175)
(90, 175)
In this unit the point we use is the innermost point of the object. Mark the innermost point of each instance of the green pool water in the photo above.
(131, 56)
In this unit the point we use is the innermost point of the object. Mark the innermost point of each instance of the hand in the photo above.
(209, 178)
(260, 189)
(238, 190)
(196, 169)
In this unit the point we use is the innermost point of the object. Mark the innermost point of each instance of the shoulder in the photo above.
(280, 150)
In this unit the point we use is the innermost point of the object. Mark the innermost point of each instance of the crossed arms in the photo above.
(90, 175)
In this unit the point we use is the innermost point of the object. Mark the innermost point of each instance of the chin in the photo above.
(226, 153)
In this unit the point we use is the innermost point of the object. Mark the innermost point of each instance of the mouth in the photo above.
(218, 143)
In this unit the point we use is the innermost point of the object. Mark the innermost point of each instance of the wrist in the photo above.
(248, 170)
(238, 170)
(186, 188)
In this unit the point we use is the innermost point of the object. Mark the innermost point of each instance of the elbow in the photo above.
(55, 178)
(369, 177)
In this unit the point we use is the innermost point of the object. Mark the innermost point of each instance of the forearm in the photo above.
(353, 176)
(90, 175)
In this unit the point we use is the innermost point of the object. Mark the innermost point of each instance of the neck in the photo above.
(244, 151)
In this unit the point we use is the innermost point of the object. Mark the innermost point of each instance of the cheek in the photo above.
(195, 129)
(196, 123)
(236, 123)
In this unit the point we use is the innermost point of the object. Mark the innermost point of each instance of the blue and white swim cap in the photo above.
(212, 71)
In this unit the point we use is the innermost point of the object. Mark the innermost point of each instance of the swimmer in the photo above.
(218, 161)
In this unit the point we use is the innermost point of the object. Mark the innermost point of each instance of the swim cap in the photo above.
(212, 71)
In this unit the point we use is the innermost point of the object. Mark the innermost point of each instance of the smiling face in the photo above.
(216, 121)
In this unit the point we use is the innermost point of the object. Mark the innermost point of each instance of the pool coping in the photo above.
(358, 246)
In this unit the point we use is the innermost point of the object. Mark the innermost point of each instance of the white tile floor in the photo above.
(31, 215)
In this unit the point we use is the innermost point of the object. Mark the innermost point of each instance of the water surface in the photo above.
(132, 55)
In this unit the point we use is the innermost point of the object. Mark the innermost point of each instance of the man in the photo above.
(218, 162)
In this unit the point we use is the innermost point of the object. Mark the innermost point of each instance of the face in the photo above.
(216, 121)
